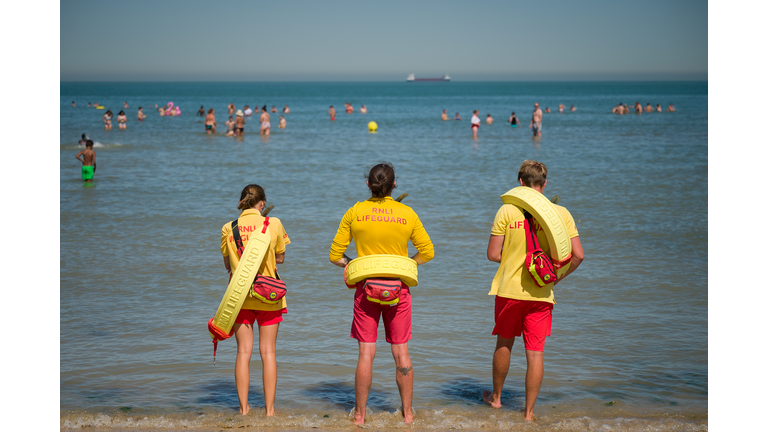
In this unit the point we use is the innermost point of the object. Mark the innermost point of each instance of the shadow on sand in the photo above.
(470, 391)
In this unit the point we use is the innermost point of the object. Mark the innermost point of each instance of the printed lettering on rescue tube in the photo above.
(383, 266)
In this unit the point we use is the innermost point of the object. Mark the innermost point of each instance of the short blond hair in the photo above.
(532, 173)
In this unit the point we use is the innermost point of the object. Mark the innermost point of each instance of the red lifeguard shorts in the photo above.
(532, 319)
(397, 318)
(263, 318)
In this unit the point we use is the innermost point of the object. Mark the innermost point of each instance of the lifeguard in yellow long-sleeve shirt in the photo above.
(381, 225)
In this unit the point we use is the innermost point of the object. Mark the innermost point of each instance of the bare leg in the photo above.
(267, 343)
(244, 337)
(533, 377)
(363, 378)
(500, 369)
(404, 378)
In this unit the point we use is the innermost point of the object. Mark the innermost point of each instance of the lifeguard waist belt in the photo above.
(383, 291)
(267, 289)
(539, 265)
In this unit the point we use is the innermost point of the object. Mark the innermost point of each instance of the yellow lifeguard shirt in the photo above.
(381, 226)
(512, 280)
(248, 221)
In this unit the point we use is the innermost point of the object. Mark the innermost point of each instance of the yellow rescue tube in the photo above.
(549, 218)
(242, 279)
(100, 107)
(383, 266)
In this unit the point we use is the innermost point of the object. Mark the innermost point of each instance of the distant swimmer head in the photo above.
(381, 180)
(121, 112)
(373, 127)
(251, 196)
(85, 137)
(264, 108)
(532, 174)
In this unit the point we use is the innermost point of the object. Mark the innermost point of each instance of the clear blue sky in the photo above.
(386, 40)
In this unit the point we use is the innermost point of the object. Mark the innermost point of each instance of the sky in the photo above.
(381, 41)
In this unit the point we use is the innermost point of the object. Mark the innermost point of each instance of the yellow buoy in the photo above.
(373, 127)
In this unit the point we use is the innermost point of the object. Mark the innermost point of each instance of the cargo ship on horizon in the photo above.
(412, 78)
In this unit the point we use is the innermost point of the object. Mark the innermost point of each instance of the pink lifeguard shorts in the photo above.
(532, 319)
(397, 318)
(263, 318)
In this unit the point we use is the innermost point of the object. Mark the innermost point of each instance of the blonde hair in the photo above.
(250, 196)
(532, 173)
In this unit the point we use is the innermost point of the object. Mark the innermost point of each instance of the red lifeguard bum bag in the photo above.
(383, 291)
(538, 264)
(267, 289)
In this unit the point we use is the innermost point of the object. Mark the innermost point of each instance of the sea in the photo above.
(141, 270)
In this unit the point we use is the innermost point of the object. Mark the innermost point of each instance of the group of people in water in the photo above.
(382, 225)
(623, 109)
(347, 108)
(236, 126)
(513, 121)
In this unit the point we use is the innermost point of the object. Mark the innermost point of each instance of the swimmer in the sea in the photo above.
(141, 115)
(210, 122)
(648, 107)
(350, 110)
(638, 108)
(625, 109)
(274, 110)
(332, 112)
(363, 110)
(125, 104)
(536, 118)
(513, 119)
(201, 111)
(121, 120)
(83, 140)
(281, 125)
(247, 111)
(286, 110)
(89, 104)
(230, 124)
(161, 110)
(488, 119)
(444, 115)
(239, 124)
(547, 110)
(658, 108)
(264, 119)
(560, 108)
(88, 160)
(671, 108)
(107, 119)
(573, 108)
(231, 108)
(73, 104)
(475, 123)
(458, 117)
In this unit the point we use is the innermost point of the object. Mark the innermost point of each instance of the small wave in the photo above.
(453, 418)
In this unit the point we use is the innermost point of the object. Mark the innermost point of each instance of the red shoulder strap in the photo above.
(531, 241)
(266, 224)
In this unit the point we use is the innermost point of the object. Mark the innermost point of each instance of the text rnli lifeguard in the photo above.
(381, 215)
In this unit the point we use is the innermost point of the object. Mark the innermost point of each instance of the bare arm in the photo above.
(78, 157)
(577, 256)
(280, 258)
(226, 264)
(495, 246)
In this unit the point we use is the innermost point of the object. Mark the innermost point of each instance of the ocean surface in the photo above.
(141, 270)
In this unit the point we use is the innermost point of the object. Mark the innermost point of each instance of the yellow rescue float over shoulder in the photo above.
(545, 213)
(240, 284)
(382, 266)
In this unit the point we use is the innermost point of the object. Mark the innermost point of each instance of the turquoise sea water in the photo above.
(141, 270)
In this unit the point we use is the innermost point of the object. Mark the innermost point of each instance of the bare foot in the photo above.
(528, 415)
(408, 416)
(359, 418)
(269, 412)
(244, 411)
(488, 398)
